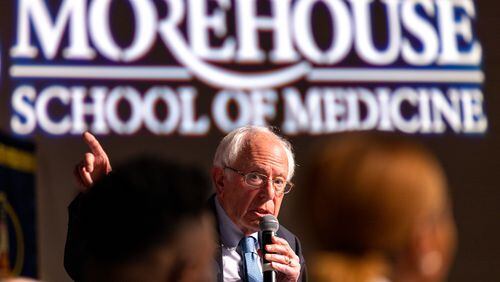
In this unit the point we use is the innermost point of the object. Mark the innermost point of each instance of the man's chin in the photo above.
(252, 221)
(251, 225)
(247, 229)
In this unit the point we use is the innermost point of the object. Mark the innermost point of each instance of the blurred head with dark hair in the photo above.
(146, 221)
(380, 210)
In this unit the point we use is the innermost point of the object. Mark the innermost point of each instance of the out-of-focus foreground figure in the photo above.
(380, 211)
(145, 221)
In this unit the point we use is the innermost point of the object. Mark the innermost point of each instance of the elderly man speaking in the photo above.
(251, 174)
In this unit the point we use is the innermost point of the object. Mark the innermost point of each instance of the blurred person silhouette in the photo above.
(145, 221)
(380, 211)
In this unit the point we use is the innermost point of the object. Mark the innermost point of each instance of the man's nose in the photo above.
(268, 190)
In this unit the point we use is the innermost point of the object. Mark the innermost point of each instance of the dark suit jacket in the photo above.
(75, 254)
(282, 232)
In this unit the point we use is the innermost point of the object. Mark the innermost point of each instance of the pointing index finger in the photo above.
(93, 144)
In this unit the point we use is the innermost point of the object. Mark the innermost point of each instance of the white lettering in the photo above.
(220, 110)
(342, 40)
(444, 110)
(264, 106)
(146, 19)
(50, 34)
(474, 118)
(133, 99)
(173, 114)
(199, 26)
(364, 42)
(422, 30)
(95, 108)
(190, 125)
(248, 25)
(41, 108)
(24, 119)
(300, 117)
(400, 122)
(450, 30)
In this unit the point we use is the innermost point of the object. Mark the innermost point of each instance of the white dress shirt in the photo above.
(230, 236)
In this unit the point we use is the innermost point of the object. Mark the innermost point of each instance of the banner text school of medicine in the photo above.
(187, 67)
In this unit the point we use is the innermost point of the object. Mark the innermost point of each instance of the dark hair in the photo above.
(140, 206)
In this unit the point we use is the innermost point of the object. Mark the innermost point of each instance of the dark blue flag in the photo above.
(18, 251)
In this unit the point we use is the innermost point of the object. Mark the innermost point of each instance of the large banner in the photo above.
(191, 67)
(18, 248)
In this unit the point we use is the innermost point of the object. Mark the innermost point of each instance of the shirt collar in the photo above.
(229, 232)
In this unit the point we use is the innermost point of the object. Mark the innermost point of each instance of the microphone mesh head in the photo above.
(269, 223)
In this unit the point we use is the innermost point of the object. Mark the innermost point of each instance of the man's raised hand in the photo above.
(94, 165)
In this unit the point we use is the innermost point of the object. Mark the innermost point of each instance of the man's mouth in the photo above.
(261, 212)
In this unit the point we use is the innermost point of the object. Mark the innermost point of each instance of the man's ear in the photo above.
(419, 242)
(425, 253)
(218, 179)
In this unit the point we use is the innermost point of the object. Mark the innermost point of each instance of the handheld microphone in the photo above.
(268, 227)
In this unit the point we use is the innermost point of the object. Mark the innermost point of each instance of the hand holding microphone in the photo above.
(280, 263)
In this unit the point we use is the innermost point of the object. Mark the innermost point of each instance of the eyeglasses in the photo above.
(257, 180)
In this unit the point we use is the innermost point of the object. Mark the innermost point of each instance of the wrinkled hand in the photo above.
(94, 165)
(284, 260)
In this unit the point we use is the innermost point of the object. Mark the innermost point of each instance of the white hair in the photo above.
(231, 145)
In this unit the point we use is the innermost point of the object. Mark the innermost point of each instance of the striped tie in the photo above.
(251, 260)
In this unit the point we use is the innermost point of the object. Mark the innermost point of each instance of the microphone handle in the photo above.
(270, 276)
(269, 273)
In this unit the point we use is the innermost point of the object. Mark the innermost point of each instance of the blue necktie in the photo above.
(251, 260)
